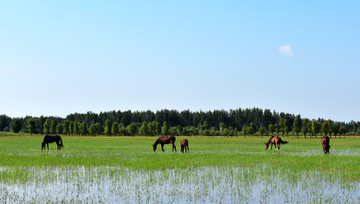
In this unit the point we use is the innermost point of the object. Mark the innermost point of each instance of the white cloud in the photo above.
(286, 50)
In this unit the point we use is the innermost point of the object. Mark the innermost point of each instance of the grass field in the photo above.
(229, 170)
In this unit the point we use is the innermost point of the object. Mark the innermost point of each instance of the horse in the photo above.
(165, 140)
(184, 144)
(50, 139)
(276, 140)
(325, 143)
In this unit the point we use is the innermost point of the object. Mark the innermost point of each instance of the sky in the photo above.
(297, 57)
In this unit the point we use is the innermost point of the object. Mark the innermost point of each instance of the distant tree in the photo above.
(144, 128)
(99, 129)
(157, 127)
(92, 130)
(59, 128)
(151, 128)
(325, 128)
(262, 131)
(221, 127)
(336, 128)
(358, 131)
(15, 125)
(46, 126)
(164, 129)
(277, 129)
(107, 128)
(179, 130)
(296, 126)
(52, 127)
(132, 128)
(173, 131)
(122, 129)
(342, 130)
(245, 130)
(4, 122)
(283, 126)
(71, 128)
(76, 128)
(315, 127)
(115, 128)
(66, 124)
(271, 129)
(305, 127)
(31, 124)
(331, 123)
(252, 129)
(83, 128)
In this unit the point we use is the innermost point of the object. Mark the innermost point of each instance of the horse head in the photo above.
(267, 145)
(154, 147)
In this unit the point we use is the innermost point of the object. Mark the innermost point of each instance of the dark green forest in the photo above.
(239, 122)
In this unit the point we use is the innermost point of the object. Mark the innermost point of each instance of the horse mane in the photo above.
(157, 142)
(270, 139)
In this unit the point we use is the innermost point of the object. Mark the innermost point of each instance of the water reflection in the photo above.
(196, 185)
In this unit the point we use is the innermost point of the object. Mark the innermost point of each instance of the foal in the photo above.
(184, 144)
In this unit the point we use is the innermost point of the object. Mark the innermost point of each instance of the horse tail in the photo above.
(61, 143)
(283, 142)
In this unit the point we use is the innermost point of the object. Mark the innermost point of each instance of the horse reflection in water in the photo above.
(51, 139)
(275, 140)
(165, 140)
(325, 141)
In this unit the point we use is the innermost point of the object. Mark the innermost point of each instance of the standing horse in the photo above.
(50, 139)
(275, 140)
(184, 144)
(325, 141)
(165, 140)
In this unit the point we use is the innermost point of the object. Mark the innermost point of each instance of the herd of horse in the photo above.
(184, 144)
(276, 141)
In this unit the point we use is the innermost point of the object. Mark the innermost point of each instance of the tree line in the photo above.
(237, 122)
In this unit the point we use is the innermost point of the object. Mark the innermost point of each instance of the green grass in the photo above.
(300, 155)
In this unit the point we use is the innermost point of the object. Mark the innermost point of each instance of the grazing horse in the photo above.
(325, 143)
(165, 140)
(275, 140)
(50, 139)
(184, 144)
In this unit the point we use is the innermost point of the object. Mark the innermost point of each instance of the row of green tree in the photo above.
(211, 123)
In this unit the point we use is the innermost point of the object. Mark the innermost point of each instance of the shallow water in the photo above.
(196, 185)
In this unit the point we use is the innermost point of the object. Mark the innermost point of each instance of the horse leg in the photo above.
(47, 145)
(162, 147)
(174, 147)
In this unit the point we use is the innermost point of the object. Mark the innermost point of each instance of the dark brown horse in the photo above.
(275, 140)
(50, 139)
(325, 141)
(184, 144)
(165, 140)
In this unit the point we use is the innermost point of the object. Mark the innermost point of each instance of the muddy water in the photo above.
(197, 185)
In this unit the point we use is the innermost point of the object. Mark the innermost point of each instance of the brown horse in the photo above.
(325, 141)
(275, 140)
(165, 140)
(184, 144)
(50, 139)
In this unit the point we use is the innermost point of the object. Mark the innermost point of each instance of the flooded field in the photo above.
(193, 185)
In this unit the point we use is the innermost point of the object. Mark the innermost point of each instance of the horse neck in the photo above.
(156, 142)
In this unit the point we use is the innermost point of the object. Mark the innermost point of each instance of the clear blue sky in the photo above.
(62, 57)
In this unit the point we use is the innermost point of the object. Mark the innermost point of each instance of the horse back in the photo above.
(325, 140)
